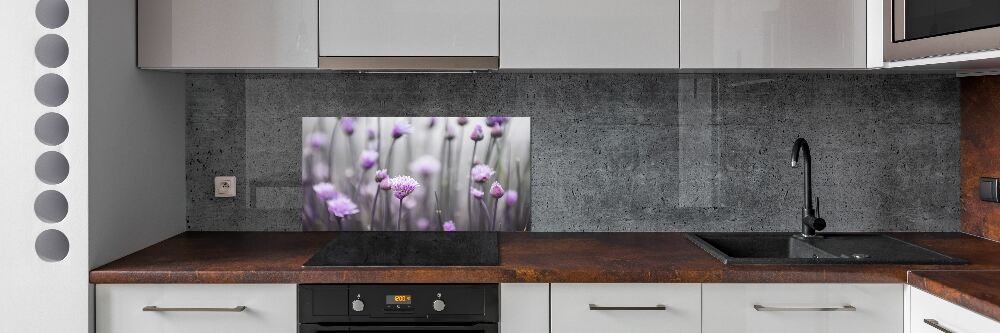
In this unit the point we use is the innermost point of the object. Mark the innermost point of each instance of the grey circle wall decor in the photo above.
(51, 51)
(51, 206)
(52, 13)
(51, 129)
(52, 245)
(51, 90)
(52, 167)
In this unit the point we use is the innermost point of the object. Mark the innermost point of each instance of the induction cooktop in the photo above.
(408, 248)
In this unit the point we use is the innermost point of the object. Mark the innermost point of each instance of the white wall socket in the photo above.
(225, 187)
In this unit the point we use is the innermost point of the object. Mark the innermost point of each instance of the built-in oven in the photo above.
(916, 29)
(387, 308)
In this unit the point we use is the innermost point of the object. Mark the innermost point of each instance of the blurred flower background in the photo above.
(416, 173)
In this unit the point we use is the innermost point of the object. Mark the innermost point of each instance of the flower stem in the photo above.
(340, 223)
(468, 194)
(374, 204)
(495, 204)
(400, 216)
(486, 211)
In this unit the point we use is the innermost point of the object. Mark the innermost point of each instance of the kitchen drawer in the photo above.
(948, 316)
(270, 308)
(778, 307)
(621, 307)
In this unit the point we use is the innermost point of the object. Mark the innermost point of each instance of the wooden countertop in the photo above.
(275, 257)
(978, 291)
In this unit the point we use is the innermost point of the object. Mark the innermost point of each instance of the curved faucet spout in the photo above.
(810, 222)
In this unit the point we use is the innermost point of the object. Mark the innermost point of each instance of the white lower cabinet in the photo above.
(930, 314)
(524, 308)
(626, 307)
(803, 308)
(196, 308)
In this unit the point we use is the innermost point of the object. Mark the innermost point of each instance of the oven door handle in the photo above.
(485, 328)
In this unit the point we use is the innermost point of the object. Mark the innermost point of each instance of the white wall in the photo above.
(137, 186)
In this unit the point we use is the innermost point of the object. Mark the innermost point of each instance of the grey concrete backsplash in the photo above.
(615, 152)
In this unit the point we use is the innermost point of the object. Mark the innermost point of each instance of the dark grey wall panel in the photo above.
(615, 152)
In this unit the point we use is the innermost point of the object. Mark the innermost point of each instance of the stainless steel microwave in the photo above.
(916, 29)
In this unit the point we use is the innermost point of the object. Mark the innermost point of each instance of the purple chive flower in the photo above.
(381, 175)
(494, 121)
(341, 207)
(403, 186)
(496, 131)
(326, 191)
(371, 134)
(368, 159)
(481, 173)
(477, 133)
(423, 223)
(400, 129)
(462, 121)
(449, 132)
(425, 166)
(448, 226)
(511, 198)
(348, 125)
(496, 191)
(476, 193)
(384, 184)
(318, 140)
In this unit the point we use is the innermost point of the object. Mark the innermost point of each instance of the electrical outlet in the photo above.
(225, 187)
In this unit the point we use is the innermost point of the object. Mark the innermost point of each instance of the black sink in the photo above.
(837, 248)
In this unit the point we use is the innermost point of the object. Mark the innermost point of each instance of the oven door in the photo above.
(916, 29)
(471, 328)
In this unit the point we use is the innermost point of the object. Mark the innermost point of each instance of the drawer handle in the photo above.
(759, 307)
(154, 308)
(935, 324)
(595, 307)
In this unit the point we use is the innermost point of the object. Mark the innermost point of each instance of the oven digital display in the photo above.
(398, 299)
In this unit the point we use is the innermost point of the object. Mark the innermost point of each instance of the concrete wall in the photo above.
(615, 152)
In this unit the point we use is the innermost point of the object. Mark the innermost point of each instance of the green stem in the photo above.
(468, 194)
(400, 216)
(374, 204)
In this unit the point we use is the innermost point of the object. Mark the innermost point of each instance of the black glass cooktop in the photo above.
(408, 248)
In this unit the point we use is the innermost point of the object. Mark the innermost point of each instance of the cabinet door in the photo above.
(773, 34)
(624, 307)
(804, 308)
(589, 34)
(927, 310)
(227, 33)
(524, 308)
(425, 28)
(270, 308)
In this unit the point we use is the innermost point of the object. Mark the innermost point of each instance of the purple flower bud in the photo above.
(481, 173)
(449, 225)
(449, 132)
(325, 191)
(425, 166)
(384, 184)
(318, 140)
(381, 175)
(371, 134)
(493, 121)
(368, 159)
(403, 186)
(431, 122)
(400, 129)
(511, 198)
(496, 131)
(462, 121)
(477, 133)
(348, 125)
(423, 223)
(476, 193)
(496, 191)
(341, 207)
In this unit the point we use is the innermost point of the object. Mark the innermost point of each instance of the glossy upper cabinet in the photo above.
(589, 34)
(776, 34)
(181, 34)
(408, 28)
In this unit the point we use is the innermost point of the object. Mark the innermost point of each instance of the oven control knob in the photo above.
(358, 305)
(438, 305)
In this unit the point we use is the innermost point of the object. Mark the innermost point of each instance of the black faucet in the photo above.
(811, 222)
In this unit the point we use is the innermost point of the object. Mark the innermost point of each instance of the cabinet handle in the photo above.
(935, 324)
(759, 307)
(154, 308)
(595, 307)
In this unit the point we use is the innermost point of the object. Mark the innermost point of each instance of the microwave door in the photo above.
(916, 29)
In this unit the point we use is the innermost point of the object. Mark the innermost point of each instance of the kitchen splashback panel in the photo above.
(614, 152)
